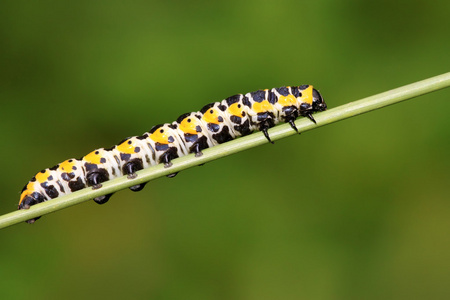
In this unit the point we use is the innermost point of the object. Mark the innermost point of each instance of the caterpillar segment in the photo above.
(238, 117)
(215, 123)
(193, 132)
(101, 165)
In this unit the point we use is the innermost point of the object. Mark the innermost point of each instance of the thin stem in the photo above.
(330, 116)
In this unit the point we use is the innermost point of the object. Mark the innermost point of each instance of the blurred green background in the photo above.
(356, 210)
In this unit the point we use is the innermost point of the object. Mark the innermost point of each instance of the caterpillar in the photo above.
(215, 123)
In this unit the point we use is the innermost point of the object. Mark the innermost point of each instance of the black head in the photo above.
(318, 103)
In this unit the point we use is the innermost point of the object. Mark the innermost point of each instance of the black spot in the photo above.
(61, 188)
(125, 157)
(233, 99)
(70, 160)
(129, 142)
(190, 138)
(189, 120)
(96, 152)
(272, 97)
(161, 131)
(76, 185)
(54, 168)
(283, 91)
(171, 139)
(74, 168)
(236, 119)
(67, 176)
(223, 136)
(258, 96)
(137, 149)
(222, 107)
(51, 191)
(220, 119)
(161, 147)
(213, 127)
(50, 178)
(198, 128)
(246, 102)
(102, 160)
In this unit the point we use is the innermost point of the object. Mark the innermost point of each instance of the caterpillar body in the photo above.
(214, 124)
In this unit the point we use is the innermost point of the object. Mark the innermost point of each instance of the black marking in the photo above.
(76, 185)
(125, 156)
(182, 117)
(213, 127)
(258, 96)
(206, 107)
(283, 91)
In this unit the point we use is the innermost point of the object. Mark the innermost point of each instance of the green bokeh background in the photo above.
(356, 210)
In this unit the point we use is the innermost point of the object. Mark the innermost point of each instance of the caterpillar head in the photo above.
(318, 103)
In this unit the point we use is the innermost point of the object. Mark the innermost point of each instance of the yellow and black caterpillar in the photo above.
(214, 124)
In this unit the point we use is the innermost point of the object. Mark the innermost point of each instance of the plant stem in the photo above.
(330, 116)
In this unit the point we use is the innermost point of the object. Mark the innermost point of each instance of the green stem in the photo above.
(330, 116)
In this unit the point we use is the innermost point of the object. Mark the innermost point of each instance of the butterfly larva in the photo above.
(214, 124)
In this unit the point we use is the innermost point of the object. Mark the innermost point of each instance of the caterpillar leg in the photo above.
(166, 159)
(266, 134)
(102, 199)
(138, 187)
(197, 150)
(95, 180)
(309, 116)
(130, 169)
(291, 122)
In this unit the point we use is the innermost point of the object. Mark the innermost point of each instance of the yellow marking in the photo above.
(288, 100)
(27, 191)
(93, 158)
(66, 166)
(160, 137)
(307, 96)
(188, 127)
(42, 177)
(262, 107)
(235, 109)
(211, 117)
(127, 147)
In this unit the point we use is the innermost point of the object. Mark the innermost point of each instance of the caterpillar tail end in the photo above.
(26, 203)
